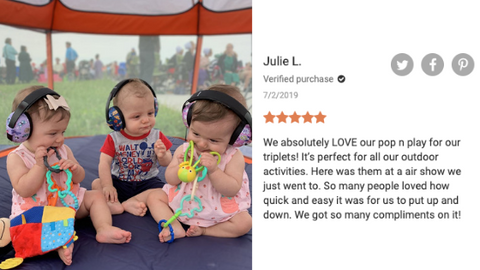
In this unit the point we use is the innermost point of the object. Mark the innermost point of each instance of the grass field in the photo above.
(87, 101)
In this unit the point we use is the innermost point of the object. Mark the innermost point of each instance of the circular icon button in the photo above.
(432, 64)
(402, 64)
(463, 64)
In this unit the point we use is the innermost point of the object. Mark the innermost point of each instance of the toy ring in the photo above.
(53, 187)
(198, 209)
(50, 182)
(63, 194)
(160, 228)
(45, 162)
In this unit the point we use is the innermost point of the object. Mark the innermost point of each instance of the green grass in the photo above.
(87, 101)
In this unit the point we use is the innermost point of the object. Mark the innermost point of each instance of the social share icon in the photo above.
(463, 64)
(402, 64)
(432, 64)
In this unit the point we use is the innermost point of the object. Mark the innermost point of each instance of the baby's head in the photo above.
(209, 111)
(39, 117)
(134, 107)
(131, 88)
(218, 118)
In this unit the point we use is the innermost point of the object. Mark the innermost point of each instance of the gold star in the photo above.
(282, 118)
(294, 117)
(320, 117)
(269, 117)
(307, 117)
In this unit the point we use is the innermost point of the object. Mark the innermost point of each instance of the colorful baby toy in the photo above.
(188, 173)
(42, 229)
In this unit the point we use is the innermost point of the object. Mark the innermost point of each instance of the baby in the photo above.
(128, 161)
(218, 122)
(49, 113)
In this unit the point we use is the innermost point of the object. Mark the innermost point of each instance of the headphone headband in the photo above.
(242, 133)
(226, 101)
(28, 101)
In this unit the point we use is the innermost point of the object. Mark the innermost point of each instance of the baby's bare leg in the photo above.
(237, 226)
(157, 202)
(116, 208)
(94, 204)
(5, 238)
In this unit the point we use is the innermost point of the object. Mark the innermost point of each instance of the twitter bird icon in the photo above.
(402, 64)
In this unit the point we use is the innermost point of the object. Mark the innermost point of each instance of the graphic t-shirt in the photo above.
(134, 158)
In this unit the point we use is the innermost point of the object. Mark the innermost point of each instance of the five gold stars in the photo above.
(295, 118)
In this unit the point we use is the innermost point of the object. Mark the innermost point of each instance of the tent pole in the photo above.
(49, 59)
(198, 53)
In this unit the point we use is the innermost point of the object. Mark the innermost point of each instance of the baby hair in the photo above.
(135, 87)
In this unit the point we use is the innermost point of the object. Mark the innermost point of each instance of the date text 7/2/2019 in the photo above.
(280, 95)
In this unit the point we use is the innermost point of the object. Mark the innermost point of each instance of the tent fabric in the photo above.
(144, 251)
(125, 17)
(145, 6)
(142, 7)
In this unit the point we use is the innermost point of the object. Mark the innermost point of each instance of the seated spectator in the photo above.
(58, 68)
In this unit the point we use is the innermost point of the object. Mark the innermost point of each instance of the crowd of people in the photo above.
(27, 71)
(175, 74)
(222, 68)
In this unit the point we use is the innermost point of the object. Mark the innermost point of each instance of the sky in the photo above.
(114, 47)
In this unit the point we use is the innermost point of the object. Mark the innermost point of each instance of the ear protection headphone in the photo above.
(243, 132)
(113, 114)
(19, 123)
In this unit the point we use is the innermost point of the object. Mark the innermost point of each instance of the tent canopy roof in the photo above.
(126, 17)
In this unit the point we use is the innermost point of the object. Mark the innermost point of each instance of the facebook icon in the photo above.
(432, 64)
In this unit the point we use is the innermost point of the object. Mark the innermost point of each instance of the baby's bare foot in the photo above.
(164, 235)
(66, 254)
(113, 235)
(135, 207)
(195, 231)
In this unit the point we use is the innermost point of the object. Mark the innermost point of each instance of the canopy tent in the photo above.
(125, 17)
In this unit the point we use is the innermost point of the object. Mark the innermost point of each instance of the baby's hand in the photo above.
(40, 153)
(68, 164)
(160, 149)
(181, 158)
(110, 193)
(209, 161)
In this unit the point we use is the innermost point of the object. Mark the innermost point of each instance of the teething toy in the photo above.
(187, 171)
